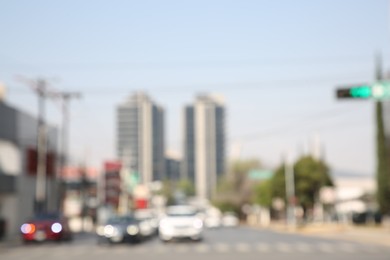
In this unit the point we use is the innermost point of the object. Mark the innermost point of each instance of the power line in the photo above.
(322, 115)
(194, 64)
(228, 86)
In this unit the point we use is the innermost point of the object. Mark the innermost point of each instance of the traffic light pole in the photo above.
(379, 91)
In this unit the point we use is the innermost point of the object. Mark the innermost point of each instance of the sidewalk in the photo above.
(10, 242)
(362, 234)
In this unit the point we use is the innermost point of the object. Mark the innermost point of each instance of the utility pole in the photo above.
(66, 98)
(379, 91)
(290, 191)
(40, 88)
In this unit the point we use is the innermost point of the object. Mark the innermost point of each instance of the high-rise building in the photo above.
(173, 165)
(140, 137)
(204, 144)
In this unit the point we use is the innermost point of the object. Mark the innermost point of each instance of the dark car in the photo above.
(367, 217)
(44, 227)
(120, 229)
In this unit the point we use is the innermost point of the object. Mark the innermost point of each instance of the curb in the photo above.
(345, 233)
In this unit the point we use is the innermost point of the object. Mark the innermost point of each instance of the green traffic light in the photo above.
(361, 91)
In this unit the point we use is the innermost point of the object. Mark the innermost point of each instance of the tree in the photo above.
(263, 194)
(383, 156)
(234, 189)
(186, 187)
(383, 165)
(167, 191)
(310, 175)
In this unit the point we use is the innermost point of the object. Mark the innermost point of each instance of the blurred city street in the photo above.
(195, 130)
(223, 243)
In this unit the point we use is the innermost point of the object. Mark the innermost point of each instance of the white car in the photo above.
(181, 222)
(230, 219)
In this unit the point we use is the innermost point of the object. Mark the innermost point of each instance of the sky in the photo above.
(277, 64)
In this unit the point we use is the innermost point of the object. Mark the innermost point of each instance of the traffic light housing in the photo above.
(379, 90)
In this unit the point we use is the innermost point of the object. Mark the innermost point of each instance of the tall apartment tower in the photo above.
(204, 144)
(140, 137)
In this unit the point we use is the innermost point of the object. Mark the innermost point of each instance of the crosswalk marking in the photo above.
(326, 248)
(263, 247)
(202, 248)
(242, 247)
(78, 251)
(303, 247)
(347, 247)
(161, 249)
(222, 248)
(284, 247)
(182, 249)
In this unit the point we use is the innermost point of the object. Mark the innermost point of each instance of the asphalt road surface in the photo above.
(225, 243)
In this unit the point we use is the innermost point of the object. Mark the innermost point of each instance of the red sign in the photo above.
(32, 162)
(141, 203)
(112, 166)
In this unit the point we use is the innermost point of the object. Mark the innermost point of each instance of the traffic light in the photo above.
(379, 90)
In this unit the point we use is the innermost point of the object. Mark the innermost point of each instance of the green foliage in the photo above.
(263, 193)
(383, 164)
(186, 187)
(167, 191)
(278, 183)
(309, 176)
(234, 189)
(227, 205)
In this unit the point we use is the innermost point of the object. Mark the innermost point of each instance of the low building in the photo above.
(18, 164)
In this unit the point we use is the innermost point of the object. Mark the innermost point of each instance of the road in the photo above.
(221, 244)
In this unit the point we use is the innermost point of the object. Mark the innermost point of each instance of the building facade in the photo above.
(204, 144)
(173, 166)
(18, 165)
(140, 137)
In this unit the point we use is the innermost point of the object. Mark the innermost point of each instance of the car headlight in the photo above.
(198, 224)
(27, 228)
(100, 230)
(56, 228)
(132, 230)
(109, 231)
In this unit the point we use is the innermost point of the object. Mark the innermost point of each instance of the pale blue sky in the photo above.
(276, 62)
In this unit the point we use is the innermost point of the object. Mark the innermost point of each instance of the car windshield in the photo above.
(45, 216)
(180, 212)
(121, 219)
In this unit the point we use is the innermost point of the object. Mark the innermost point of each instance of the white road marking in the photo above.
(243, 248)
(182, 249)
(283, 247)
(222, 248)
(326, 248)
(348, 248)
(202, 248)
(263, 247)
(160, 249)
(303, 247)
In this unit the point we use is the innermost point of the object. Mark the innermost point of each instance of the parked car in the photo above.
(230, 219)
(213, 218)
(120, 229)
(181, 222)
(43, 227)
(367, 217)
